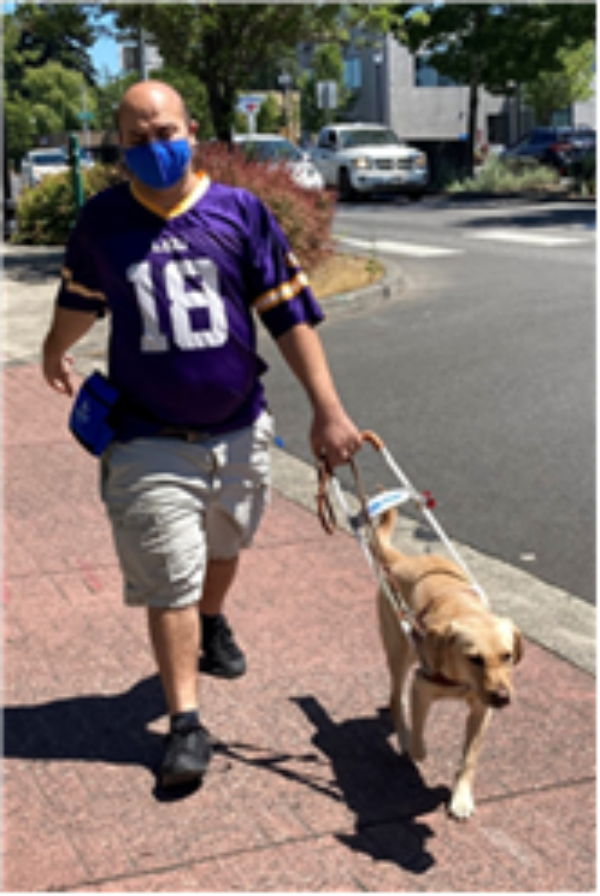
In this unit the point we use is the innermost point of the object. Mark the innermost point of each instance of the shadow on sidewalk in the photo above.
(34, 268)
(383, 789)
(93, 728)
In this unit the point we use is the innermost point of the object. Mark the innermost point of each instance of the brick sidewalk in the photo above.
(306, 791)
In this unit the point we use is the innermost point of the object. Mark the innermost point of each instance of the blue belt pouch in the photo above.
(90, 419)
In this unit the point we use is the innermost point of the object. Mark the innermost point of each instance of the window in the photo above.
(327, 140)
(353, 73)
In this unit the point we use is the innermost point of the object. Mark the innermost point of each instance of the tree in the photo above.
(559, 88)
(52, 32)
(54, 40)
(56, 97)
(495, 46)
(224, 45)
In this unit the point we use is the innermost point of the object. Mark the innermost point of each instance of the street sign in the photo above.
(327, 95)
(85, 116)
(249, 105)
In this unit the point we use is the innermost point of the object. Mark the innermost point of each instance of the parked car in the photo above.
(362, 159)
(276, 150)
(39, 163)
(558, 148)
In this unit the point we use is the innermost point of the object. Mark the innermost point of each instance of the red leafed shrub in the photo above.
(305, 216)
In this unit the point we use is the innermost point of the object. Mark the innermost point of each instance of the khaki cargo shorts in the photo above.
(174, 505)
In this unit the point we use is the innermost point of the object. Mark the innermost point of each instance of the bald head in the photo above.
(152, 110)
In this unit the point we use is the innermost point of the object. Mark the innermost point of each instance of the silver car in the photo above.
(39, 163)
(276, 150)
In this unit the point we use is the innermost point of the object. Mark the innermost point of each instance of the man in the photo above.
(181, 263)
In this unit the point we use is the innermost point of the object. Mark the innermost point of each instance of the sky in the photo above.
(105, 56)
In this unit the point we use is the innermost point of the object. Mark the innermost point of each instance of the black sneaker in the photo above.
(221, 655)
(187, 755)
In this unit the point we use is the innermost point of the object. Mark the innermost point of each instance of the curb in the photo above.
(368, 297)
(550, 617)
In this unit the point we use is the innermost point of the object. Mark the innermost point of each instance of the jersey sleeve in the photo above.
(281, 293)
(80, 288)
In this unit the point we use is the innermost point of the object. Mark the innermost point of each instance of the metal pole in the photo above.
(8, 204)
(75, 162)
(143, 68)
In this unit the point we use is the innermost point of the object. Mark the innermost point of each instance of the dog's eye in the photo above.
(507, 657)
(476, 660)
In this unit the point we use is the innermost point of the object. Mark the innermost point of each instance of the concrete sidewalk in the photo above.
(306, 791)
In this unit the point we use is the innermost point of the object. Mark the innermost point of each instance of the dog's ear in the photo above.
(436, 646)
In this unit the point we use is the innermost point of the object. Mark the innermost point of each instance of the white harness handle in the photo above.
(385, 501)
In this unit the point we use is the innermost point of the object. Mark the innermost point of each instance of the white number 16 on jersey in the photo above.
(181, 302)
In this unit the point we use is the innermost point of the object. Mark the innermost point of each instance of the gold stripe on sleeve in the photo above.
(283, 293)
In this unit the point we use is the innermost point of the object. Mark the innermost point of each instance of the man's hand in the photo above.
(67, 328)
(334, 437)
(57, 369)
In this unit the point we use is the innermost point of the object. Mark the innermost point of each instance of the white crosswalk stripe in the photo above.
(525, 238)
(395, 248)
(520, 236)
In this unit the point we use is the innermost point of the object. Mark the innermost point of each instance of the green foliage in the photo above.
(46, 213)
(584, 175)
(496, 177)
(107, 97)
(56, 96)
(46, 64)
(38, 33)
(569, 82)
(495, 42)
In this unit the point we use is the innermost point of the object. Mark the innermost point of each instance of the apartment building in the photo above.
(397, 88)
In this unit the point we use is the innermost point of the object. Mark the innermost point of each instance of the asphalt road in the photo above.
(479, 374)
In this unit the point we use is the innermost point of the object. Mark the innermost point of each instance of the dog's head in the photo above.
(479, 651)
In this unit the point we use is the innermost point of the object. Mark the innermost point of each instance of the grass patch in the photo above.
(344, 273)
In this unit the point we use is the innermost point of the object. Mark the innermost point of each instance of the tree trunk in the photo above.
(221, 102)
(472, 130)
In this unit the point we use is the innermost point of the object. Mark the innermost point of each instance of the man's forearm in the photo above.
(303, 351)
(333, 435)
(67, 328)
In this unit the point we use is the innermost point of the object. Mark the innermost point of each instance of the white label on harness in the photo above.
(386, 500)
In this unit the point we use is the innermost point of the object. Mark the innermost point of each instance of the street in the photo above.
(479, 375)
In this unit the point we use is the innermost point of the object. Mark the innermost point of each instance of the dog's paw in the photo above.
(462, 804)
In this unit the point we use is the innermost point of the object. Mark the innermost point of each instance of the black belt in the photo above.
(186, 435)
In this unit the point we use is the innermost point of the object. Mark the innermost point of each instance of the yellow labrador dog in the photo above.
(463, 651)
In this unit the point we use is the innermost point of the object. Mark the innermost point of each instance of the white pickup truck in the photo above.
(362, 159)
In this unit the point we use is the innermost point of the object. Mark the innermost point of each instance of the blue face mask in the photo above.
(160, 163)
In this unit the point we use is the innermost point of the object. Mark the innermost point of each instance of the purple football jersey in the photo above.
(181, 290)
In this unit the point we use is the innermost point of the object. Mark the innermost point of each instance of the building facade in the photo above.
(399, 89)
